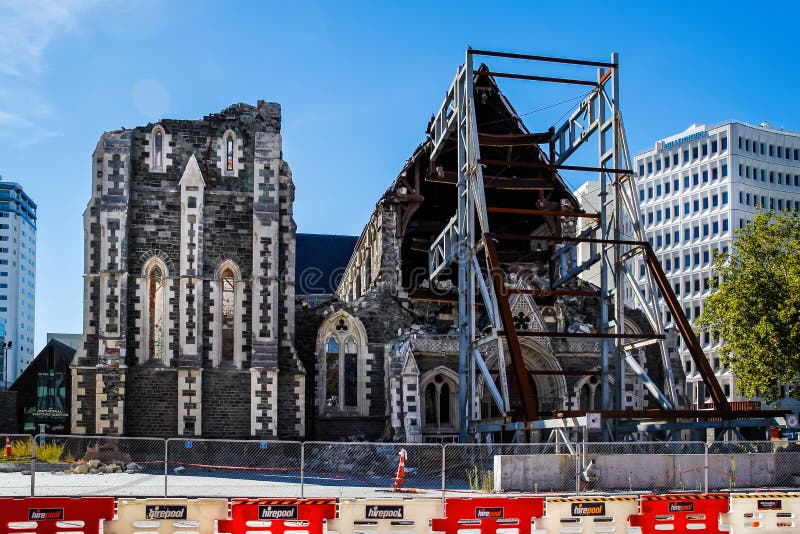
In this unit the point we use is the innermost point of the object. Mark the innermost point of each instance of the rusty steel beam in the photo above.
(510, 332)
(548, 59)
(553, 292)
(674, 414)
(687, 333)
(533, 372)
(570, 81)
(563, 239)
(544, 213)
(542, 165)
(589, 335)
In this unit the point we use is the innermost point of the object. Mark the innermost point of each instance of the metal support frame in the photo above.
(464, 239)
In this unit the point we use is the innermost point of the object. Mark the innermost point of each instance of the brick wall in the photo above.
(151, 406)
(226, 404)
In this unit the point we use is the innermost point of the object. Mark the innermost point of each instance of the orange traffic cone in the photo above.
(397, 481)
(8, 447)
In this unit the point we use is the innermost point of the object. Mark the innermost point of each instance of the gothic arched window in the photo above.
(439, 403)
(155, 306)
(229, 152)
(226, 304)
(228, 308)
(342, 366)
(158, 149)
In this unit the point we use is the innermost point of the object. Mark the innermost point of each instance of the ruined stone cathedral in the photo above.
(205, 314)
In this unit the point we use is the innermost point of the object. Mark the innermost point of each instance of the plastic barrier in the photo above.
(278, 516)
(608, 513)
(167, 516)
(679, 513)
(484, 515)
(385, 516)
(48, 515)
(763, 512)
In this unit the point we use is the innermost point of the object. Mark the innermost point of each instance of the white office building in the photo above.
(17, 277)
(695, 188)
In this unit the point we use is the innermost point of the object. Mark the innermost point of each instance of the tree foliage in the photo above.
(754, 306)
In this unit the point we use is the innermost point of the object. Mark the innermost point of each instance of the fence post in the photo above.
(302, 470)
(166, 467)
(705, 468)
(33, 466)
(444, 468)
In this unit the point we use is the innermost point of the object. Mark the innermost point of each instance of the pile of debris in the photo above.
(95, 467)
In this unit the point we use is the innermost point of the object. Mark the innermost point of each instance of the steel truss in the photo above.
(467, 239)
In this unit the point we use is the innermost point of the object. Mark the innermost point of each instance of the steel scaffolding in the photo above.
(468, 243)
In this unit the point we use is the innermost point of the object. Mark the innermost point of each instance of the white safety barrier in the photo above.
(565, 515)
(385, 516)
(165, 516)
(762, 512)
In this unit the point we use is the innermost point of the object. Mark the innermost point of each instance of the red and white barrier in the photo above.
(51, 515)
(685, 512)
(278, 516)
(489, 515)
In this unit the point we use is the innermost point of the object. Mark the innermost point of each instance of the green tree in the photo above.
(754, 306)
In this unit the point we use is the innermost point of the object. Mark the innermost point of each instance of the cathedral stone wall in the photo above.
(189, 282)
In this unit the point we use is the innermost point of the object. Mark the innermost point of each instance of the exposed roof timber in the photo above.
(500, 182)
(544, 213)
(501, 140)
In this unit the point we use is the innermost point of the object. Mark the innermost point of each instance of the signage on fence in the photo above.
(488, 513)
(384, 512)
(45, 514)
(582, 509)
(681, 507)
(163, 511)
(277, 512)
(769, 504)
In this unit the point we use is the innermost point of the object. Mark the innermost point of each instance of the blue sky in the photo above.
(358, 82)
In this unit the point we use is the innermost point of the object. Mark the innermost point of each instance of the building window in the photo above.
(229, 152)
(439, 401)
(227, 283)
(343, 369)
(723, 141)
(155, 306)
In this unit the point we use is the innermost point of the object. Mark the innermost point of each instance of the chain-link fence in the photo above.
(657, 466)
(339, 469)
(534, 467)
(753, 465)
(15, 464)
(145, 467)
(211, 467)
(77, 465)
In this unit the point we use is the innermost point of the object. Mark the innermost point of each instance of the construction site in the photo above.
(462, 369)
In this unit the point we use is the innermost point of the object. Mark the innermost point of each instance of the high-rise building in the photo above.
(695, 188)
(17, 277)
